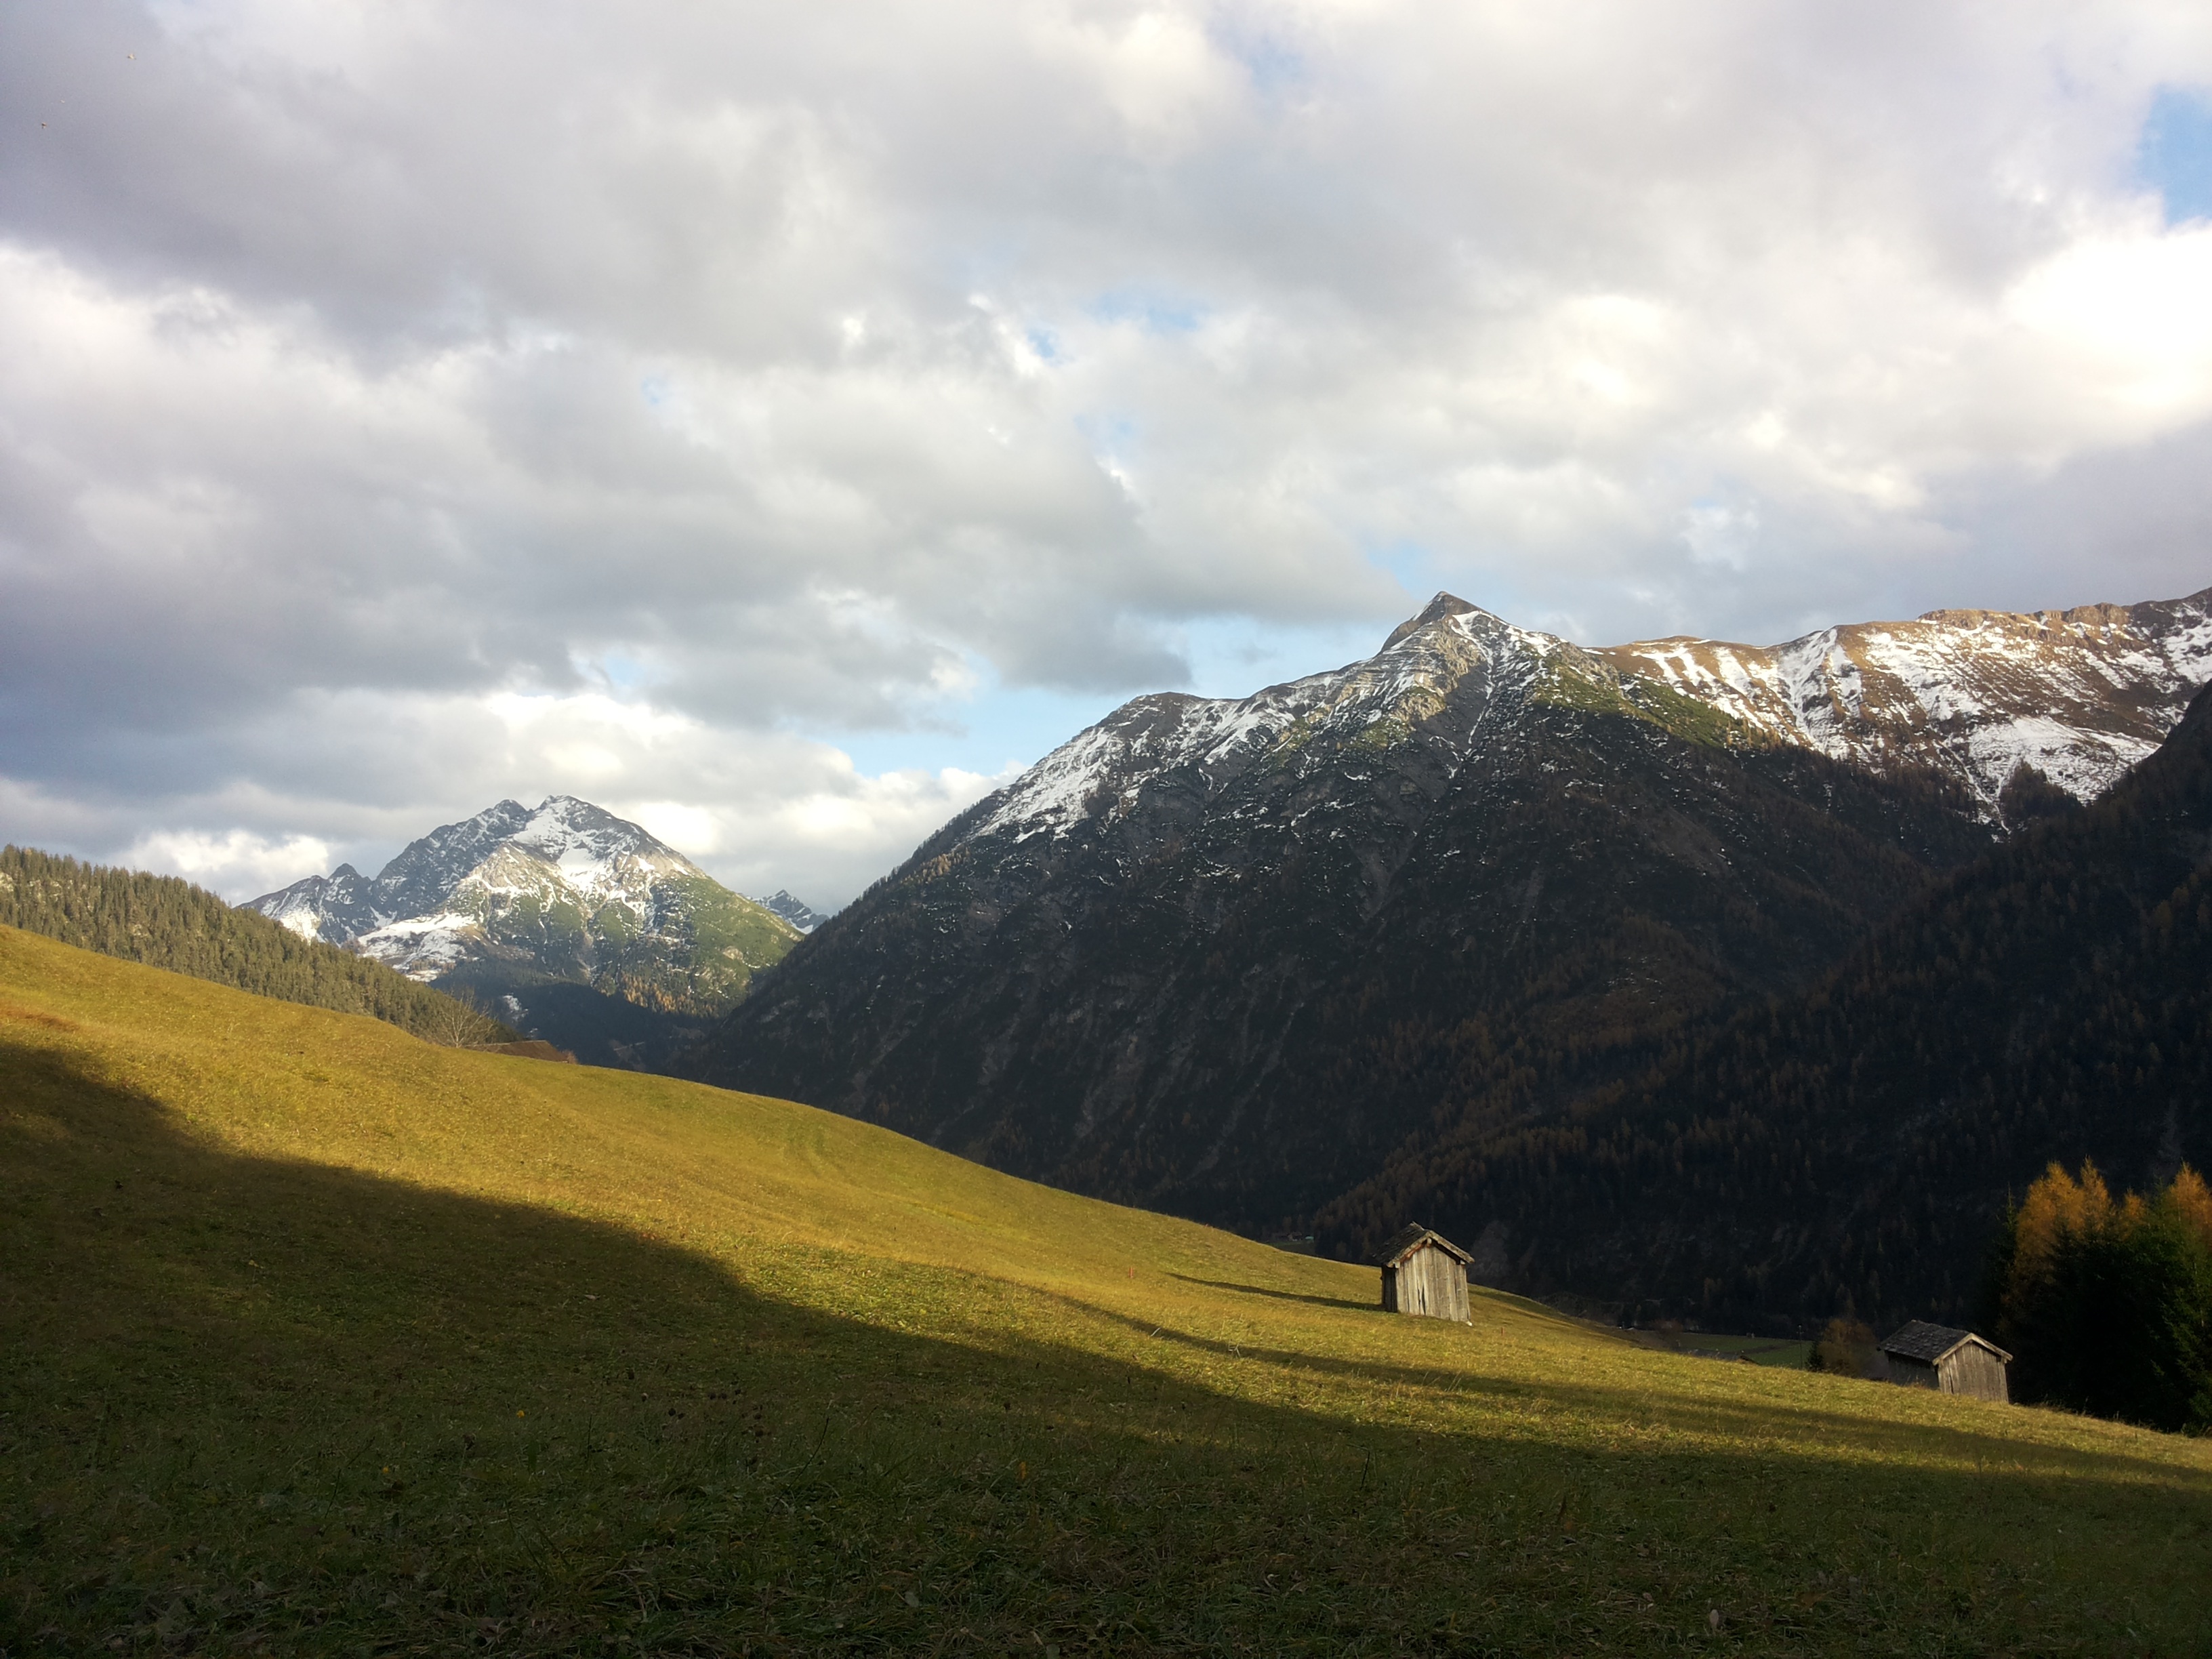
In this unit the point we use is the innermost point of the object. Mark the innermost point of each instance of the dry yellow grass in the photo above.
(320, 1337)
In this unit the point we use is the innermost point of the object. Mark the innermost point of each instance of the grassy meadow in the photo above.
(317, 1339)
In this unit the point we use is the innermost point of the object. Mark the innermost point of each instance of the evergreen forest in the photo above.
(165, 922)
(1852, 1148)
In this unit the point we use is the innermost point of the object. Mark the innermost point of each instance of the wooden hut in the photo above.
(1425, 1273)
(1924, 1355)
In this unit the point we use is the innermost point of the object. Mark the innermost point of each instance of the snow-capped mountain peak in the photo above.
(2079, 695)
(794, 910)
(565, 887)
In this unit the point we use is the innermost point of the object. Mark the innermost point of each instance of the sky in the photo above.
(779, 424)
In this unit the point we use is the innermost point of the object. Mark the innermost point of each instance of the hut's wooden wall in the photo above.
(1974, 1370)
(1912, 1373)
(1429, 1281)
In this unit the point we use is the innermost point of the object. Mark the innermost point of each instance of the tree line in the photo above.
(2106, 1304)
(165, 922)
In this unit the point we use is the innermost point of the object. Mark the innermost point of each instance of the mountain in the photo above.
(1853, 1147)
(576, 925)
(165, 922)
(1227, 956)
(2079, 695)
(801, 915)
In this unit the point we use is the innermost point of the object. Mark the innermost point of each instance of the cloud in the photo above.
(237, 862)
(728, 383)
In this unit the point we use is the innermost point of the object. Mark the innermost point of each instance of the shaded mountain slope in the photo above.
(1854, 1146)
(164, 922)
(1224, 957)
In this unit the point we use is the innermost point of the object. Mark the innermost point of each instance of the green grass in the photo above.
(1639, 698)
(1759, 1350)
(314, 1338)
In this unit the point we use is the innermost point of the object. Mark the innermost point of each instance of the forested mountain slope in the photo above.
(164, 922)
(1223, 957)
(1855, 1145)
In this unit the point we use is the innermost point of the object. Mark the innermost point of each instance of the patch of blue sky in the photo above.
(1235, 656)
(999, 727)
(1272, 64)
(1411, 564)
(1046, 345)
(654, 390)
(1108, 434)
(621, 675)
(1422, 574)
(2173, 154)
(1003, 726)
(1155, 312)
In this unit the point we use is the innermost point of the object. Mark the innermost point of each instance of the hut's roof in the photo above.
(1917, 1340)
(1406, 1240)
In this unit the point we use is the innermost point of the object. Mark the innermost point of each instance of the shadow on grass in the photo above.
(1280, 1295)
(1827, 1435)
(255, 1401)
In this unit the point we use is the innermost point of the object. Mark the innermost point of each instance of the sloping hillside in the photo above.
(317, 1339)
(1854, 1146)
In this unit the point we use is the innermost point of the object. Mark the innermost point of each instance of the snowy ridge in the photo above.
(322, 907)
(1216, 738)
(565, 848)
(422, 947)
(2081, 695)
(794, 909)
(562, 884)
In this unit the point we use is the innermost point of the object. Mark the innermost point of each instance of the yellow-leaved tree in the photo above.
(2107, 1303)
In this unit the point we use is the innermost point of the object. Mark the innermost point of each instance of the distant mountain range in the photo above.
(801, 915)
(1238, 958)
(571, 923)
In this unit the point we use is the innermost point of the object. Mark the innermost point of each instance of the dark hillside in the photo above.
(1233, 995)
(600, 1029)
(164, 922)
(1854, 1146)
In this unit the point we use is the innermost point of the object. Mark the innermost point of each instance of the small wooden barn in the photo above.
(1425, 1273)
(1924, 1355)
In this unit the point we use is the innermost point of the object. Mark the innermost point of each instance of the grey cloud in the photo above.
(770, 368)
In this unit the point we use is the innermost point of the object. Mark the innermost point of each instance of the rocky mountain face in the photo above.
(1227, 956)
(2080, 695)
(1851, 1148)
(801, 915)
(576, 925)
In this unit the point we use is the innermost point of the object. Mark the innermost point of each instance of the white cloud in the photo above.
(235, 863)
(409, 404)
(2125, 318)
